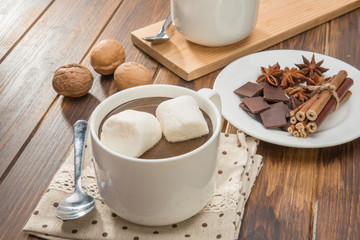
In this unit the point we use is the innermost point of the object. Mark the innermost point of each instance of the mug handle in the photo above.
(212, 96)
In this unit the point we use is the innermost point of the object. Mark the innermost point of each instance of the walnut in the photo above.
(131, 74)
(72, 80)
(106, 56)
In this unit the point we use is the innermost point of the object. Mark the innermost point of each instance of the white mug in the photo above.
(157, 192)
(214, 23)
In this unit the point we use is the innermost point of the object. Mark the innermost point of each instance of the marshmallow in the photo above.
(131, 132)
(181, 119)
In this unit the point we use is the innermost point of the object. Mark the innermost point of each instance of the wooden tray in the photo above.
(277, 21)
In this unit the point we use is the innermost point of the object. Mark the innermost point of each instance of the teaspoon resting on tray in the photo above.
(162, 36)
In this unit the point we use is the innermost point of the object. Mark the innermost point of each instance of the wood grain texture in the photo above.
(277, 21)
(49, 45)
(48, 147)
(16, 17)
(26, 90)
(299, 194)
(337, 192)
(119, 28)
(281, 205)
(38, 163)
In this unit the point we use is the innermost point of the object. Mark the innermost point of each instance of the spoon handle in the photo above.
(80, 128)
(166, 24)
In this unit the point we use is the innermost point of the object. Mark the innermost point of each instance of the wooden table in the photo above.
(299, 194)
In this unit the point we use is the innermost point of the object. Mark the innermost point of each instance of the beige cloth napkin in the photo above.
(238, 168)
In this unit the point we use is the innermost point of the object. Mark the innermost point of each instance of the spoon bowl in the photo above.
(162, 36)
(79, 203)
(75, 206)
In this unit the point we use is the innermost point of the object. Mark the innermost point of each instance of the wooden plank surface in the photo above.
(337, 191)
(26, 90)
(48, 147)
(277, 21)
(16, 17)
(129, 16)
(282, 199)
(299, 194)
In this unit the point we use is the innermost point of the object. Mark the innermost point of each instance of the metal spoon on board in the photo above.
(162, 36)
(79, 203)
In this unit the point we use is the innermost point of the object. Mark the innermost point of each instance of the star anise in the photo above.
(301, 93)
(317, 80)
(312, 69)
(291, 77)
(270, 75)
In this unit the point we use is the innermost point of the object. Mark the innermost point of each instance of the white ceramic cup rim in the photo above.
(94, 131)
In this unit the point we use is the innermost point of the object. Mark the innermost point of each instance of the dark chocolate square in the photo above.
(284, 107)
(256, 104)
(285, 127)
(294, 102)
(249, 89)
(244, 107)
(274, 94)
(273, 118)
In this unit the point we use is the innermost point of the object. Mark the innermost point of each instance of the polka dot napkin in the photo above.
(238, 168)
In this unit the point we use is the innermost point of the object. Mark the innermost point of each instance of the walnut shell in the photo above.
(106, 56)
(72, 80)
(131, 74)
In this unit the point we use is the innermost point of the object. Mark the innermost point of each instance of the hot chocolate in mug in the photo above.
(214, 23)
(162, 191)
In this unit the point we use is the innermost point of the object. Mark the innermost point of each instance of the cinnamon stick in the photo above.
(301, 114)
(304, 133)
(313, 126)
(346, 97)
(293, 120)
(291, 129)
(330, 106)
(343, 93)
(336, 80)
(300, 126)
(296, 133)
(294, 111)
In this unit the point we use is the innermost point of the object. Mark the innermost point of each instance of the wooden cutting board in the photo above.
(278, 20)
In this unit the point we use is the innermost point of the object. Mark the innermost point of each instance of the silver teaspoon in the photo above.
(162, 36)
(79, 203)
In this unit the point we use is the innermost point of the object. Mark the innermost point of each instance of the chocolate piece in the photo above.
(285, 127)
(294, 102)
(284, 107)
(244, 107)
(275, 116)
(249, 89)
(256, 104)
(264, 84)
(274, 94)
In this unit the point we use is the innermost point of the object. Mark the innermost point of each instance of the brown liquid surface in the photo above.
(163, 149)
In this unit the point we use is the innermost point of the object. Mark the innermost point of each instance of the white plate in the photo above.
(339, 127)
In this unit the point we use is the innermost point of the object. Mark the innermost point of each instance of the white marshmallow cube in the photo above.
(131, 132)
(181, 119)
